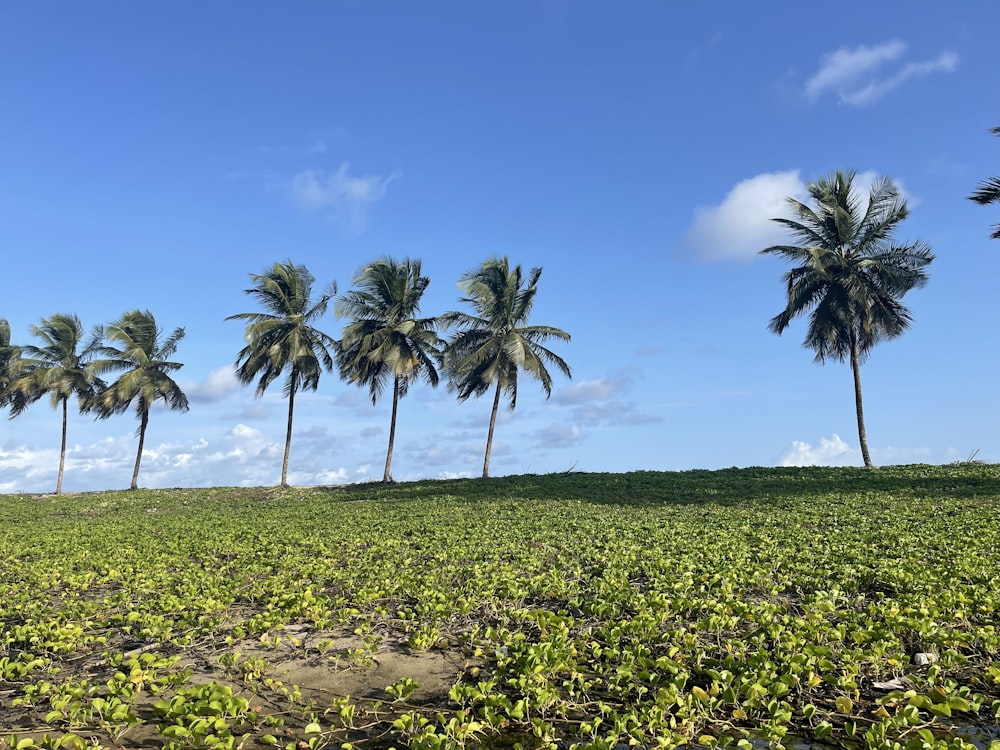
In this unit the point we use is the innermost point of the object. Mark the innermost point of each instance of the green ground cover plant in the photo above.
(736, 608)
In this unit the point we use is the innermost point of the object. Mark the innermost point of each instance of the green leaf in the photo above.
(940, 709)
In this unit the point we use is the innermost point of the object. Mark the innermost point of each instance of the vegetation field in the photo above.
(729, 608)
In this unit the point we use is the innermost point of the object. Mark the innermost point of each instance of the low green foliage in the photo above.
(723, 609)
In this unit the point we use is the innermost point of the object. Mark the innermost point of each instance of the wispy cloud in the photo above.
(595, 402)
(864, 74)
(344, 197)
(596, 389)
(558, 435)
(694, 55)
(317, 147)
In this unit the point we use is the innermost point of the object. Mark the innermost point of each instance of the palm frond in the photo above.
(989, 192)
(489, 347)
(143, 361)
(384, 339)
(848, 274)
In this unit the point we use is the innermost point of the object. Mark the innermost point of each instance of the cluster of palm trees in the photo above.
(384, 341)
(849, 277)
(66, 366)
(387, 341)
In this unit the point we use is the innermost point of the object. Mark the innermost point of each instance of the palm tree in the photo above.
(135, 350)
(57, 368)
(385, 339)
(11, 367)
(493, 344)
(283, 339)
(989, 192)
(849, 273)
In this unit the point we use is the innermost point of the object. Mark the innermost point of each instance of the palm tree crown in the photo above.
(849, 274)
(282, 339)
(989, 192)
(385, 340)
(10, 362)
(135, 350)
(57, 368)
(492, 345)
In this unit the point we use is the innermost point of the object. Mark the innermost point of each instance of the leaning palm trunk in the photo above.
(62, 445)
(288, 434)
(387, 474)
(862, 436)
(489, 436)
(142, 439)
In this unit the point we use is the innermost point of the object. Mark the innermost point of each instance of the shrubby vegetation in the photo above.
(722, 609)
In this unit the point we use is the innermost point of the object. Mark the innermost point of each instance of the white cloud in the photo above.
(840, 68)
(559, 436)
(456, 475)
(244, 440)
(945, 62)
(242, 455)
(863, 75)
(346, 198)
(741, 225)
(329, 476)
(219, 384)
(829, 452)
(596, 389)
(834, 451)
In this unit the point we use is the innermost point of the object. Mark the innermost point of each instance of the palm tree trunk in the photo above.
(862, 436)
(142, 439)
(288, 432)
(387, 477)
(489, 437)
(62, 447)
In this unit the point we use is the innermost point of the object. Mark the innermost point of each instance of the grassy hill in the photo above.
(576, 610)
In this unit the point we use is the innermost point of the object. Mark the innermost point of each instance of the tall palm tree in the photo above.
(57, 368)
(384, 338)
(849, 273)
(134, 349)
(989, 192)
(491, 345)
(282, 338)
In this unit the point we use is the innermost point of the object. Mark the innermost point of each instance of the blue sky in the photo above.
(153, 155)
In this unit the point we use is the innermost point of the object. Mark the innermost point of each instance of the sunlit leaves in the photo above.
(588, 610)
